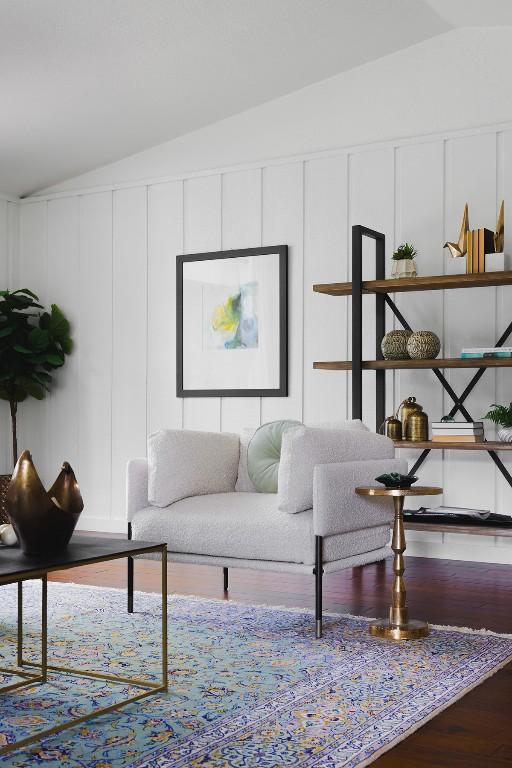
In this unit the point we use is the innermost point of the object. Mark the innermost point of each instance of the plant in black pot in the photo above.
(33, 343)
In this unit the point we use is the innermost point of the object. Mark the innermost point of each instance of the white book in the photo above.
(484, 350)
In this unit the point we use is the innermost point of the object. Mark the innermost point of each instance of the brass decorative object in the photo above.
(399, 626)
(417, 427)
(460, 248)
(43, 521)
(499, 235)
(392, 428)
(406, 408)
(394, 345)
(423, 345)
(480, 243)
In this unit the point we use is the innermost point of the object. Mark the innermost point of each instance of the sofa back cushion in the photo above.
(264, 453)
(304, 448)
(244, 483)
(183, 463)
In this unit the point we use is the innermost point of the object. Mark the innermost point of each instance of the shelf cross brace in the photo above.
(458, 400)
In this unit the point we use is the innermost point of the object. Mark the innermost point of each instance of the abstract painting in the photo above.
(232, 323)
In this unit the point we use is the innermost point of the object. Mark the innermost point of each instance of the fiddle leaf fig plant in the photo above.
(33, 343)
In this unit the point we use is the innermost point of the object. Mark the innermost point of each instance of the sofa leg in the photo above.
(225, 573)
(130, 574)
(318, 585)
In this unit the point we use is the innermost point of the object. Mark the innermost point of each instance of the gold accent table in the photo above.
(15, 568)
(399, 626)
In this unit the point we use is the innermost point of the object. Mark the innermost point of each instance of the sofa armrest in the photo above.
(337, 509)
(136, 486)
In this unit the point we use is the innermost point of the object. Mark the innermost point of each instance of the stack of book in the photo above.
(457, 431)
(481, 352)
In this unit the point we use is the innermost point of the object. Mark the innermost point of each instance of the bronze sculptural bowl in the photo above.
(43, 521)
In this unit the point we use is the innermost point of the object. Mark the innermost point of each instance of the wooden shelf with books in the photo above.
(393, 365)
(484, 445)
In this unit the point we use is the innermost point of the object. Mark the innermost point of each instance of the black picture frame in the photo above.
(282, 389)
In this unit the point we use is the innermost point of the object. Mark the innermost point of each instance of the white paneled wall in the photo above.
(109, 259)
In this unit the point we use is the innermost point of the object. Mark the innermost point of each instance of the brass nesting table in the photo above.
(15, 568)
(399, 626)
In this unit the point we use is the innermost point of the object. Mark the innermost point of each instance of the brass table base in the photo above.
(398, 626)
(410, 631)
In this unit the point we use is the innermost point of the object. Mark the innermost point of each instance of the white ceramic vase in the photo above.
(404, 268)
(505, 434)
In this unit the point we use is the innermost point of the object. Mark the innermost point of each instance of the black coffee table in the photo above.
(15, 568)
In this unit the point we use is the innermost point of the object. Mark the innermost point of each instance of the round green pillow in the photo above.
(264, 453)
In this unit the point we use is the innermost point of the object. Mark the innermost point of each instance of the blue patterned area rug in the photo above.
(249, 686)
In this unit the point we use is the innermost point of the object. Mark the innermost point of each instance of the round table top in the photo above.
(415, 490)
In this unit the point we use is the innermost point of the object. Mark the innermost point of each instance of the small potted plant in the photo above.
(502, 416)
(403, 261)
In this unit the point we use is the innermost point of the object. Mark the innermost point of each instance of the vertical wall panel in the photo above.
(202, 232)
(165, 241)
(129, 426)
(94, 348)
(325, 261)
(470, 315)
(241, 228)
(64, 289)
(419, 219)
(283, 224)
(5, 464)
(32, 415)
(372, 204)
(504, 309)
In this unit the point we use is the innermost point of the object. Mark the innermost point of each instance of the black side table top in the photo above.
(82, 550)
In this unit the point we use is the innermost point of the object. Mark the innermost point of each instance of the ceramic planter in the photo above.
(403, 268)
(505, 434)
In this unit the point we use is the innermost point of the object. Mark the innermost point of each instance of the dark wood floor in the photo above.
(475, 732)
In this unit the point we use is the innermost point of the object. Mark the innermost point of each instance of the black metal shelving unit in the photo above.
(381, 288)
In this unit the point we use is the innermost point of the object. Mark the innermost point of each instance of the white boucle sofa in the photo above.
(248, 529)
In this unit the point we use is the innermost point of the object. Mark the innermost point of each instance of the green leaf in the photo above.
(38, 339)
(59, 325)
(67, 345)
(55, 360)
(33, 388)
(22, 349)
(6, 331)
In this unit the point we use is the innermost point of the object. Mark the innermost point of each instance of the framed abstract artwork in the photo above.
(232, 323)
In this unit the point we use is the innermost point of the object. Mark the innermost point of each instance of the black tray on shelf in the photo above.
(493, 521)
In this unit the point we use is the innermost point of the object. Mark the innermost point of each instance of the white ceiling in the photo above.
(86, 82)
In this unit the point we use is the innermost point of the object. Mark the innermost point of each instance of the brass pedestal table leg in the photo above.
(399, 626)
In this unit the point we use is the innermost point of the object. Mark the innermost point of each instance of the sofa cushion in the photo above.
(304, 448)
(247, 526)
(264, 453)
(243, 481)
(183, 463)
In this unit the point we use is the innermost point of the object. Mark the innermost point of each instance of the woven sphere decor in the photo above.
(394, 345)
(423, 345)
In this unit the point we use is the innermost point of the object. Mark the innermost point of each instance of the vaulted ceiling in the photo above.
(86, 82)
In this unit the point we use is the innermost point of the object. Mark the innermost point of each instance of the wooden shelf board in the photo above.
(477, 530)
(429, 283)
(448, 362)
(485, 445)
